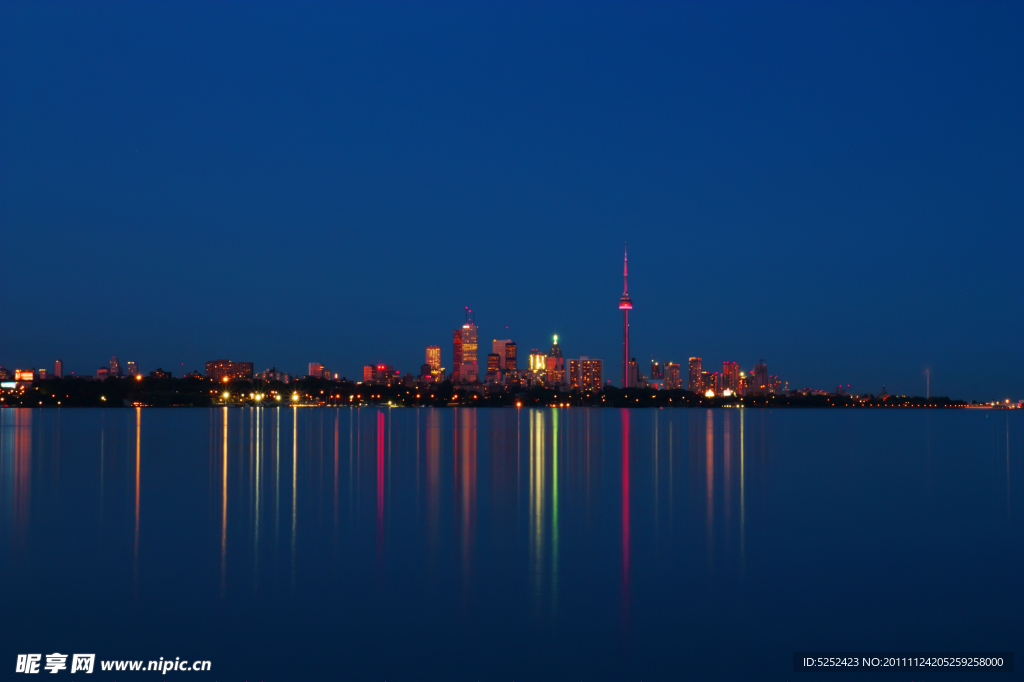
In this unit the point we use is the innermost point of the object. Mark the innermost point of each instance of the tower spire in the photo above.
(625, 270)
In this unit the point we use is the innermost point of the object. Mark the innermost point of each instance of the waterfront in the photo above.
(505, 544)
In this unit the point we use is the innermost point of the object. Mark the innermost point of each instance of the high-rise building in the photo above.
(434, 362)
(115, 367)
(467, 368)
(102, 373)
(132, 368)
(225, 370)
(672, 379)
(316, 370)
(385, 375)
(42, 372)
(656, 370)
(554, 365)
(731, 376)
(759, 378)
(498, 347)
(695, 370)
(625, 305)
(510, 359)
(633, 373)
(493, 362)
(537, 360)
(709, 382)
(425, 372)
(58, 369)
(586, 374)
(456, 355)
(369, 374)
(434, 357)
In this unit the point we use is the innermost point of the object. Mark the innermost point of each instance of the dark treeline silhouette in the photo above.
(201, 392)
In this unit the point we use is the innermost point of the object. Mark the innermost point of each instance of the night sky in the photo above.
(835, 187)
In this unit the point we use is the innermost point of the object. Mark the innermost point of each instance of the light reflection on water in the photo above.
(604, 537)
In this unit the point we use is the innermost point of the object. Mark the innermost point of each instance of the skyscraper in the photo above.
(759, 378)
(58, 369)
(510, 359)
(695, 369)
(672, 380)
(316, 370)
(555, 365)
(469, 344)
(466, 348)
(456, 354)
(385, 375)
(731, 376)
(656, 370)
(709, 383)
(115, 367)
(585, 374)
(132, 368)
(493, 363)
(625, 305)
(498, 348)
(434, 357)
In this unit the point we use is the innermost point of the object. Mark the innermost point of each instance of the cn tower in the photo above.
(625, 305)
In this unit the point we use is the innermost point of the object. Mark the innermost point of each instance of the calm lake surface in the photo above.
(549, 544)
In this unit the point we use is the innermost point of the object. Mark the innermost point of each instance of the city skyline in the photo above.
(500, 367)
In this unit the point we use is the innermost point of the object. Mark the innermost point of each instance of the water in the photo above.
(316, 544)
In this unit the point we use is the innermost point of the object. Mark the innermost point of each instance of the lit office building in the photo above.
(316, 370)
(695, 370)
(731, 377)
(456, 355)
(656, 370)
(498, 348)
(468, 366)
(115, 367)
(510, 359)
(369, 374)
(385, 375)
(759, 379)
(493, 375)
(58, 369)
(132, 368)
(434, 357)
(634, 372)
(709, 382)
(554, 365)
(672, 378)
(221, 370)
(586, 374)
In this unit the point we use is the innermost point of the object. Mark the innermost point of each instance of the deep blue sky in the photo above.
(835, 187)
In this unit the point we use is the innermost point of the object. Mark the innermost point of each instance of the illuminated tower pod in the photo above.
(625, 305)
